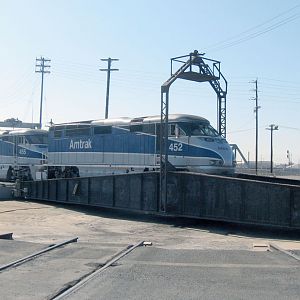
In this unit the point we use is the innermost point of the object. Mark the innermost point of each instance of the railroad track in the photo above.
(267, 179)
(142, 267)
(35, 254)
(66, 288)
(85, 279)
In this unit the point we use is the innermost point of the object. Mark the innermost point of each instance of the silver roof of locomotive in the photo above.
(128, 121)
(150, 119)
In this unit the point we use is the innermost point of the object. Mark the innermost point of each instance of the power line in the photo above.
(241, 130)
(286, 127)
(280, 80)
(254, 35)
(254, 27)
(235, 40)
(20, 87)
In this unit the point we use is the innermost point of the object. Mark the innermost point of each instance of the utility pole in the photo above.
(272, 127)
(41, 66)
(256, 108)
(108, 70)
(289, 157)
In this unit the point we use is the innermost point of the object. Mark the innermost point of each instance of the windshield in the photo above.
(37, 138)
(198, 129)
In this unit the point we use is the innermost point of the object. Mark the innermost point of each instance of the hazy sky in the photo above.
(252, 39)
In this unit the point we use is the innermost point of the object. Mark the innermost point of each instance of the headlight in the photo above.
(216, 162)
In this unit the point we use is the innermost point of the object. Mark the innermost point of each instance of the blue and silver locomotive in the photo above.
(129, 145)
(23, 153)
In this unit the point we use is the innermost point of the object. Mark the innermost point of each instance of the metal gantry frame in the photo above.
(207, 70)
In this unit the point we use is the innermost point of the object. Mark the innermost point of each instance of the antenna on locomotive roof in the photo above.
(51, 123)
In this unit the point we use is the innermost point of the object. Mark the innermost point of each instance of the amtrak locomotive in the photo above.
(128, 145)
(23, 153)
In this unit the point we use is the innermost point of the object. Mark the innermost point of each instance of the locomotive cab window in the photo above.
(21, 140)
(171, 131)
(203, 129)
(198, 129)
(36, 139)
(176, 130)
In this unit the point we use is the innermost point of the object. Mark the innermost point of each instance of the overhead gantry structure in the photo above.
(16, 123)
(194, 67)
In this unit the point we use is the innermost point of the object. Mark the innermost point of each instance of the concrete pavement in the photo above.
(188, 260)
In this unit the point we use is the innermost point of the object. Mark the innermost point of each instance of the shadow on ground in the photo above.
(217, 227)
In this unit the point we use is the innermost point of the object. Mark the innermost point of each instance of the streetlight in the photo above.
(272, 127)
